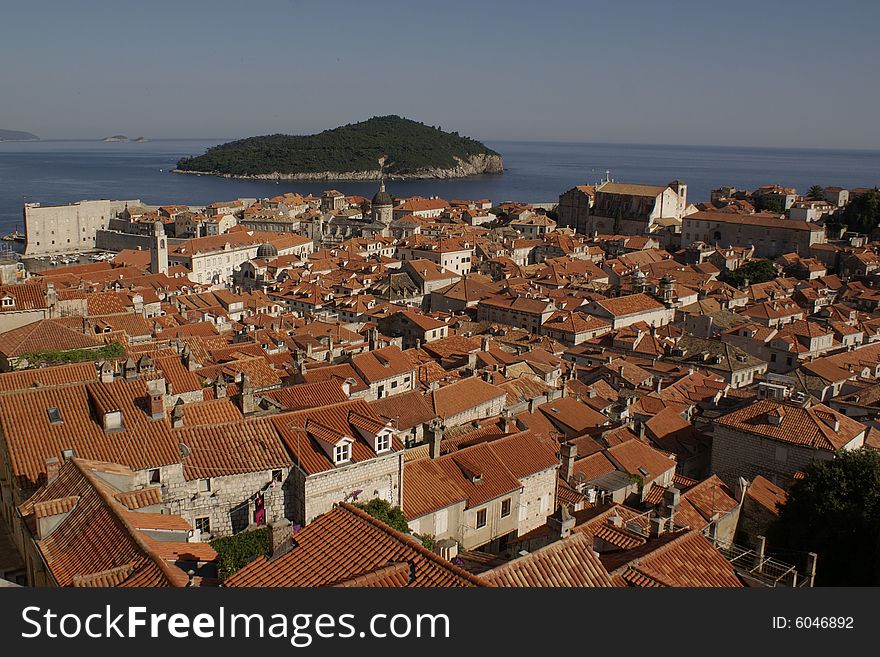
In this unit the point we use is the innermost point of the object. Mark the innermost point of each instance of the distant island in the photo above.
(381, 146)
(17, 135)
(139, 140)
(115, 138)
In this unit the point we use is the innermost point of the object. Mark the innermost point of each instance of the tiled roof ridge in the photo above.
(413, 543)
(174, 578)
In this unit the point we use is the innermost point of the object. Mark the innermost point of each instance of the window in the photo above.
(383, 443)
(154, 476)
(545, 502)
(204, 485)
(342, 453)
(393, 384)
(481, 518)
(505, 508)
(54, 415)
(203, 525)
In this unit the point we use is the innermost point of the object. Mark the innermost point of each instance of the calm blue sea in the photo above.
(65, 171)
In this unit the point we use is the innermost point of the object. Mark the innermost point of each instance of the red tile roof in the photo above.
(348, 546)
(570, 562)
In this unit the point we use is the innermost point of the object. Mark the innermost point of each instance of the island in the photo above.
(115, 138)
(139, 140)
(17, 135)
(382, 146)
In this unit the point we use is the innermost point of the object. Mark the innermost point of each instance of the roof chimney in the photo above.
(436, 431)
(157, 402)
(53, 466)
(177, 415)
(568, 454)
(561, 522)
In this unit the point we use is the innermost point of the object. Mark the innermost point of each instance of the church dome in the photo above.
(267, 250)
(382, 197)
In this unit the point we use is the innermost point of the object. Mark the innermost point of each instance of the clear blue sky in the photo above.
(777, 73)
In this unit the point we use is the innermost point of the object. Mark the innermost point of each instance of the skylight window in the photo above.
(54, 415)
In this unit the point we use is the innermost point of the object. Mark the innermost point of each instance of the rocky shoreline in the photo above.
(475, 165)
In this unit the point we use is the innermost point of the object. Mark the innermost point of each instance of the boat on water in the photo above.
(14, 236)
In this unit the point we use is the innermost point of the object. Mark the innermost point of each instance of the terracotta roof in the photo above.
(307, 395)
(570, 562)
(572, 414)
(630, 304)
(683, 560)
(32, 435)
(48, 376)
(345, 544)
(405, 410)
(475, 474)
(757, 219)
(463, 395)
(95, 544)
(633, 456)
(234, 448)
(301, 430)
(44, 335)
(767, 494)
(381, 364)
(811, 427)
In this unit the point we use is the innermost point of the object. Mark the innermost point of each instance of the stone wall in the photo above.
(68, 228)
(379, 477)
(228, 505)
(739, 454)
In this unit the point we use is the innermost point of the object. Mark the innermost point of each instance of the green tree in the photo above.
(834, 511)
(754, 271)
(390, 515)
(237, 551)
(816, 191)
(764, 204)
(861, 215)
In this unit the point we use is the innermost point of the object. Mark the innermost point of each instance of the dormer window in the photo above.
(7, 302)
(342, 453)
(383, 443)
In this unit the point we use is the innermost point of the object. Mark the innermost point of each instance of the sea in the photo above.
(65, 171)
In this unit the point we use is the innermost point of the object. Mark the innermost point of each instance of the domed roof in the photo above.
(267, 250)
(382, 197)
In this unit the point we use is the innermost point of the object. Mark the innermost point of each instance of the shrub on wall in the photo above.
(237, 551)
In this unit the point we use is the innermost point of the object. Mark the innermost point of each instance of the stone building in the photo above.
(485, 495)
(342, 452)
(768, 233)
(68, 228)
(777, 439)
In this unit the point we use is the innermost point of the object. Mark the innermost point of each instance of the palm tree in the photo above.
(816, 191)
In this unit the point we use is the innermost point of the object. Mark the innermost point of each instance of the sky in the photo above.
(774, 73)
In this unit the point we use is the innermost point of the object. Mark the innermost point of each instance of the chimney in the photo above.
(53, 465)
(562, 522)
(568, 454)
(671, 498)
(436, 431)
(659, 383)
(106, 372)
(446, 548)
(508, 424)
(129, 370)
(248, 402)
(177, 415)
(157, 403)
(219, 386)
(485, 343)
